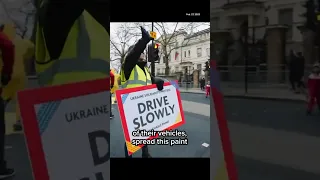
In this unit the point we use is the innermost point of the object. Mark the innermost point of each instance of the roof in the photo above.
(241, 3)
(199, 33)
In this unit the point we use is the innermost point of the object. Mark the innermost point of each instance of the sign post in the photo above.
(67, 130)
(147, 108)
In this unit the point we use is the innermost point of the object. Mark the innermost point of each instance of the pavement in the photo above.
(274, 139)
(267, 93)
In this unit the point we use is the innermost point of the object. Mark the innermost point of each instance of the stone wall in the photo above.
(275, 53)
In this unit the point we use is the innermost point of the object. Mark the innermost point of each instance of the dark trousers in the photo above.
(110, 104)
(296, 81)
(145, 151)
(2, 135)
(312, 101)
(301, 84)
(293, 80)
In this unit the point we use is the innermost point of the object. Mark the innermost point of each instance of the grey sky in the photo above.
(15, 11)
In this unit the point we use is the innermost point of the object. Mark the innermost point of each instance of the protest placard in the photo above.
(67, 130)
(147, 108)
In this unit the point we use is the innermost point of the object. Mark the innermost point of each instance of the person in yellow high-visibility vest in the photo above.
(72, 42)
(134, 73)
(7, 53)
(24, 51)
(116, 83)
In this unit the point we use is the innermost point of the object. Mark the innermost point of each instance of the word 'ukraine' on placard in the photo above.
(156, 109)
(83, 114)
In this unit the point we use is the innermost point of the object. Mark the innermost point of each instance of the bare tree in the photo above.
(120, 40)
(168, 41)
(116, 64)
(21, 14)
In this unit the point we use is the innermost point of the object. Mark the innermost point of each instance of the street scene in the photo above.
(266, 147)
(182, 54)
(268, 60)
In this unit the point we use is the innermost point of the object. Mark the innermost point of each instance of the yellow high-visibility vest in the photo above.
(115, 84)
(85, 55)
(137, 78)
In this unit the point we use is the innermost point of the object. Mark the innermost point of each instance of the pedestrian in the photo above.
(208, 89)
(300, 72)
(135, 73)
(314, 88)
(293, 70)
(111, 86)
(202, 83)
(7, 50)
(24, 51)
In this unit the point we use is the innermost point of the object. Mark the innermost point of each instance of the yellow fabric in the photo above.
(99, 39)
(9, 30)
(116, 79)
(141, 76)
(24, 51)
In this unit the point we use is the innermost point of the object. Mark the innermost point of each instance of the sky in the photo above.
(114, 27)
(16, 11)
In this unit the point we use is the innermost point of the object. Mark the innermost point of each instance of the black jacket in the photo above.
(132, 59)
(56, 17)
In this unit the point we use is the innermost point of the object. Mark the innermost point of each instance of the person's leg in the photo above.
(4, 171)
(310, 104)
(17, 126)
(292, 82)
(111, 115)
(318, 101)
(126, 151)
(2, 134)
(145, 152)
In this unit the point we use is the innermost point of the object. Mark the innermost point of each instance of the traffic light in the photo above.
(310, 15)
(153, 52)
(156, 52)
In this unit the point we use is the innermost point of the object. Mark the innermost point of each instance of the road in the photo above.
(274, 140)
(271, 140)
(197, 127)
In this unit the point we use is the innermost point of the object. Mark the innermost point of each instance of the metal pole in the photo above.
(153, 68)
(246, 60)
(187, 74)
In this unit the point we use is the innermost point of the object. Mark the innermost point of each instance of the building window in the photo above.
(158, 71)
(189, 53)
(285, 17)
(199, 52)
(164, 70)
(177, 69)
(208, 52)
(177, 44)
(185, 53)
(214, 23)
(199, 66)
